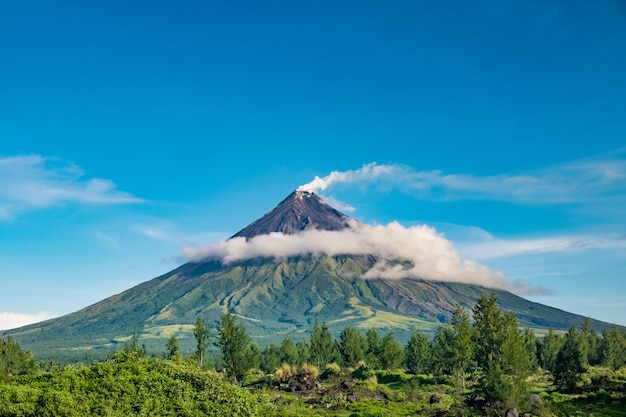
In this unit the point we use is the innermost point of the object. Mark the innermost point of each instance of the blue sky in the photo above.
(131, 132)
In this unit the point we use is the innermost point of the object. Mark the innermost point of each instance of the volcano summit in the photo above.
(300, 262)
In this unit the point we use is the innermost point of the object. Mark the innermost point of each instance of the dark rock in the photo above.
(535, 399)
(346, 385)
(511, 412)
(379, 395)
(352, 398)
(471, 399)
(434, 399)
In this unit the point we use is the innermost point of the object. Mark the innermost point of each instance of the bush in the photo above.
(128, 386)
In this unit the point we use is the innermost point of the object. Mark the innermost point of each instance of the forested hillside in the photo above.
(486, 366)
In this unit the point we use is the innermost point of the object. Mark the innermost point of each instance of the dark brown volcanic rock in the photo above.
(301, 210)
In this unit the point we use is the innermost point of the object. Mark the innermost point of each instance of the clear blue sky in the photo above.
(131, 131)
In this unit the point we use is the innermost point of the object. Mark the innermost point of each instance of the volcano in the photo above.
(273, 297)
(300, 211)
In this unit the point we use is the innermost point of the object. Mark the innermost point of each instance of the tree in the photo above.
(592, 342)
(289, 351)
(391, 352)
(304, 351)
(352, 346)
(530, 343)
(374, 347)
(202, 333)
(417, 353)
(270, 358)
(323, 347)
(133, 347)
(173, 347)
(570, 361)
(613, 348)
(463, 343)
(499, 352)
(13, 360)
(549, 349)
(234, 343)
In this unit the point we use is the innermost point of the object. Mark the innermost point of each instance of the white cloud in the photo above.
(493, 248)
(14, 320)
(32, 182)
(429, 255)
(602, 177)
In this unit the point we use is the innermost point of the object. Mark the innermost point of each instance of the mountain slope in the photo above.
(273, 297)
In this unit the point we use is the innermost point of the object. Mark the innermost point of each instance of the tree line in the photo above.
(483, 343)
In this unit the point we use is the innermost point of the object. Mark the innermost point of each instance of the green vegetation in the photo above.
(272, 299)
(479, 368)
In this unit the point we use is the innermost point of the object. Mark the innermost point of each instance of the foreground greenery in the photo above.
(128, 385)
(481, 363)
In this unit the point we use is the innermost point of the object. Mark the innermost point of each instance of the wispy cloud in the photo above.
(31, 182)
(13, 320)
(490, 247)
(602, 177)
(429, 255)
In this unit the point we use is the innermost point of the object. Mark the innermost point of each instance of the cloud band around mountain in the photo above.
(430, 255)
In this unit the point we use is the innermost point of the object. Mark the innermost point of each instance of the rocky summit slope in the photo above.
(273, 297)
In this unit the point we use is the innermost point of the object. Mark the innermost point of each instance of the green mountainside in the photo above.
(273, 298)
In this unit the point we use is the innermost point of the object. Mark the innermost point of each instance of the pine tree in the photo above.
(270, 358)
(549, 349)
(202, 333)
(570, 361)
(530, 343)
(500, 353)
(13, 360)
(592, 342)
(613, 348)
(289, 351)
(352, 346)
(374, 347)
(463, 343)
(444, 353)
(391, 352)
(417, 353)
(173, 347)
(234, 344)
(323, 347)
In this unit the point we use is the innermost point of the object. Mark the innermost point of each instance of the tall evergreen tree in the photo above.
(270, 358)
(202, 333)
(323, 347)
(374, 347)
(444, 353)
(173, 347)
(234, 344)
(613, 348)
(570, 361)
(531, 343)
(391, 352)
(499, 352)
(463, 343)
(592, 342)
(304, 351)
(14, 360)
(417, 354)
(289, 351)
(549, 349)
(352, 346)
